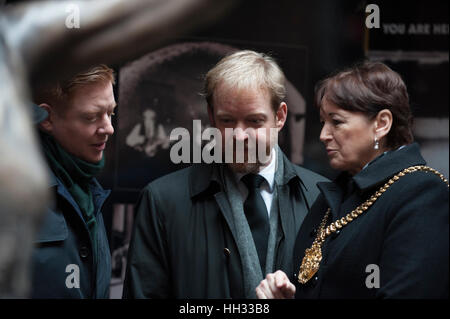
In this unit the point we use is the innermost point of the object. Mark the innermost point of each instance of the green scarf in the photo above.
(76, 175)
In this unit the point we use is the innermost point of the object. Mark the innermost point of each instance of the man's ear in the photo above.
(281, 115)
(47, 124)
(383, 123)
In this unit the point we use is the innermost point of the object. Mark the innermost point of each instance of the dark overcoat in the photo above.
(62, 264)
(398, 248)
(183, 244)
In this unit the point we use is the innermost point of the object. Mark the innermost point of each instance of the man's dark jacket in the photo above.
(398, 248)
(63, 246)
(183, 244)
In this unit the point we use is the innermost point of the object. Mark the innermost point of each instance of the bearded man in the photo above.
(215, 230)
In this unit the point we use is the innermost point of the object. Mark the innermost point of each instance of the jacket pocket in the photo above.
(53, 228)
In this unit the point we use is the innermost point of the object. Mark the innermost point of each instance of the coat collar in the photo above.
(333, 195)
(99, 194)
(373, 175)
(95, 186)
(388, 165)
(290, 173)
(52, 180)
(203, 178)
(206, 177)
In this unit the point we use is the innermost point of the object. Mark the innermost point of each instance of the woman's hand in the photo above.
(275, 286)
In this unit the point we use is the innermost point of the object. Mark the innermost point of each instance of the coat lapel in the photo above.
(205, 180)
(333, 196)
(298, 183)
(285, 179)
(284, 210)
(225, 209)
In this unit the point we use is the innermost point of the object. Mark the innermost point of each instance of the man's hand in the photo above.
(275, 286)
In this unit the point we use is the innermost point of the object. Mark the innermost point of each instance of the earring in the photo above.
(377, 144)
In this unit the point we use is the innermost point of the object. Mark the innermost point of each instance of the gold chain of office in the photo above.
(313, 256)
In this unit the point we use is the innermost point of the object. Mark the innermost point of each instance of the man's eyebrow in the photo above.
(221, 113)
(100, 107)
(257, 114)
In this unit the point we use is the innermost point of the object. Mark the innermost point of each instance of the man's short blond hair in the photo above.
(60, 91)
(247, 70)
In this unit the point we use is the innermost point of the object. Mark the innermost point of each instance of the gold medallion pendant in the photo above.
(310, 263)
(313, 256)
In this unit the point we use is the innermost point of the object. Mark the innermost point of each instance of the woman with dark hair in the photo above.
(380, 230)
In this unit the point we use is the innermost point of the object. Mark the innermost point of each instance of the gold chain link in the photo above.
(313, 256)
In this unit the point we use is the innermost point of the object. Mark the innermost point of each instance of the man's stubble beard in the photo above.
(254, 168)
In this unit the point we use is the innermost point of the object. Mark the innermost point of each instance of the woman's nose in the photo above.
(325, 134)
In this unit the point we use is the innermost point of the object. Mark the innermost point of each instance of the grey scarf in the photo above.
(249, 257)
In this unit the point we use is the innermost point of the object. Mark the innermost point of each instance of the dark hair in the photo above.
(370, 87)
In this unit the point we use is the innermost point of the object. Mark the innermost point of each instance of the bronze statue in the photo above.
(45, 40)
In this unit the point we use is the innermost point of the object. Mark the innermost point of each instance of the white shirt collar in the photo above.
(268, 172)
